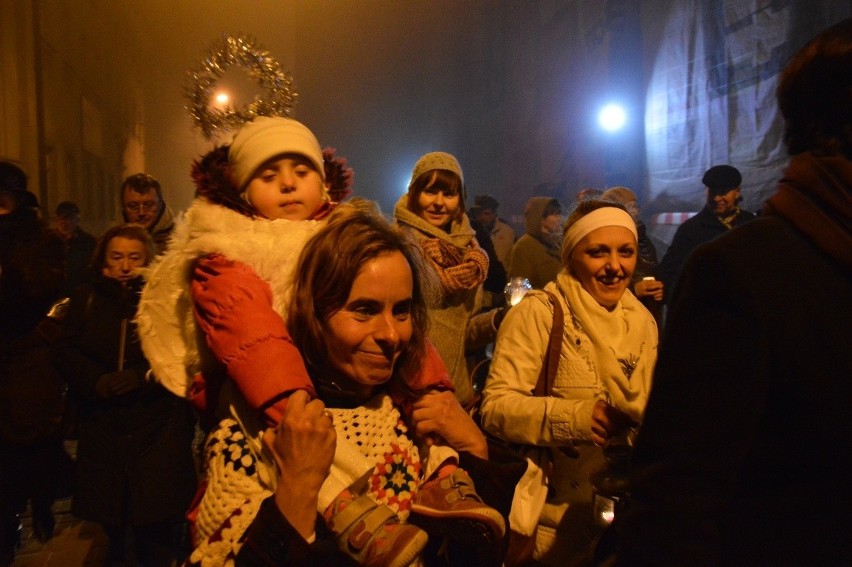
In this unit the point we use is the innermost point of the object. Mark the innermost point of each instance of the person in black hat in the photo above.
(81, 244)
(721, 213)
(32, 271)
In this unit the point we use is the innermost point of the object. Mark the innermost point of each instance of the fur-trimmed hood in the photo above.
(214, 181)
(165, 319)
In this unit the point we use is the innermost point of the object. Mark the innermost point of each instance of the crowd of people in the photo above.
(280, 376)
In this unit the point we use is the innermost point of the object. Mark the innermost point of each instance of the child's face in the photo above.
(286, 187)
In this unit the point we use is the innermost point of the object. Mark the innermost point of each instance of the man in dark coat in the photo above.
(721, 213)
(80, 244)
(742, 458)
(32, 272)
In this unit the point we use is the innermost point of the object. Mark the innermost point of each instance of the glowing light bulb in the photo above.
(612, 117)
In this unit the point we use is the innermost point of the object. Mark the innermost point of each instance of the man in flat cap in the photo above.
(721, 213)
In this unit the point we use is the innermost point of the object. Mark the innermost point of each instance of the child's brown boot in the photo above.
(451, 506)
(371, 533)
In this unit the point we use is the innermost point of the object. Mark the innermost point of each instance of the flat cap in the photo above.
(722, 177)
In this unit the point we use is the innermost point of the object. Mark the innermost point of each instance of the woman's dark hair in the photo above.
(440, 179)
(328, 266)
(581, 209)
(129, 231)
(815, 94)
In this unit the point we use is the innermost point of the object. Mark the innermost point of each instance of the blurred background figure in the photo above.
(134, 462)
(32, 273)
(740, 460)
(495, 279)
(80, 244)
(588, 193)
(645, 286)
(720, 214)
(502, 235)
(142, 203)
(535, 255)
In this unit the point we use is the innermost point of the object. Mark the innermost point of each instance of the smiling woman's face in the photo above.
(367, 335)
(603, 262)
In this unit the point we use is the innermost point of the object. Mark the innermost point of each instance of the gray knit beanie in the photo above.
(436, 160)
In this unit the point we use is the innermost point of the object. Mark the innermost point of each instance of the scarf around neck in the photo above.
(624, 343)
(458, 260)
(814, 196)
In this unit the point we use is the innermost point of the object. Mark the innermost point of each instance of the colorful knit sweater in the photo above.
(238, 485)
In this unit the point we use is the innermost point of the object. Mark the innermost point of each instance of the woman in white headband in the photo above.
(601, 382)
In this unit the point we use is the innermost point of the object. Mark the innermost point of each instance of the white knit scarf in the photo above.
(621, 338)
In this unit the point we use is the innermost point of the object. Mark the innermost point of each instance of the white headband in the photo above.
(599, 218)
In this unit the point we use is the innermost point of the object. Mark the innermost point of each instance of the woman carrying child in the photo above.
(228, 272)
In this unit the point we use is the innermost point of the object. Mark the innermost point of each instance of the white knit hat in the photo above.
(266, 137)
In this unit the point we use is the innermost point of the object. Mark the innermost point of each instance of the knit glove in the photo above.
(118, 383)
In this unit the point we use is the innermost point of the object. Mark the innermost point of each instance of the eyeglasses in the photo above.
(146, 207)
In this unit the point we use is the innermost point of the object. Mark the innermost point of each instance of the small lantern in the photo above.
(516, 289)
(610, 483)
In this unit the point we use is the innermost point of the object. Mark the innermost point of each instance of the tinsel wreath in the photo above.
(261, 66)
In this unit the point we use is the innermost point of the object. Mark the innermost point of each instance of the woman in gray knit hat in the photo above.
(433, 212)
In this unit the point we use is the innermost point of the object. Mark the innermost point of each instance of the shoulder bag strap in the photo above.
(544, 386)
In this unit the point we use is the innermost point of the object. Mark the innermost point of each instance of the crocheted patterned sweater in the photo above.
(237, 484)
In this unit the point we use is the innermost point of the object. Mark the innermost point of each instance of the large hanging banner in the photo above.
(711, 93)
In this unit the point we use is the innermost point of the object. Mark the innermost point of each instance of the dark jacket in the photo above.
(32, 266)
(701, 228)
(134, 454)
(646, 266)
(81, 246)
(742, 456)
(495, 281)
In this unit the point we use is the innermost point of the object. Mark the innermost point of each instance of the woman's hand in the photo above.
(607, 421)
(303, 447)
(438, 416)
(649, 288)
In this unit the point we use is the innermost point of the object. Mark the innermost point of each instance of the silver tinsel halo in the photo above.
(262, 67)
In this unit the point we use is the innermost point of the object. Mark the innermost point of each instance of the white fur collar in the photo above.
(165, 320)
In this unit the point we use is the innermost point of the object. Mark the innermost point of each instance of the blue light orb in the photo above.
(612, 117)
